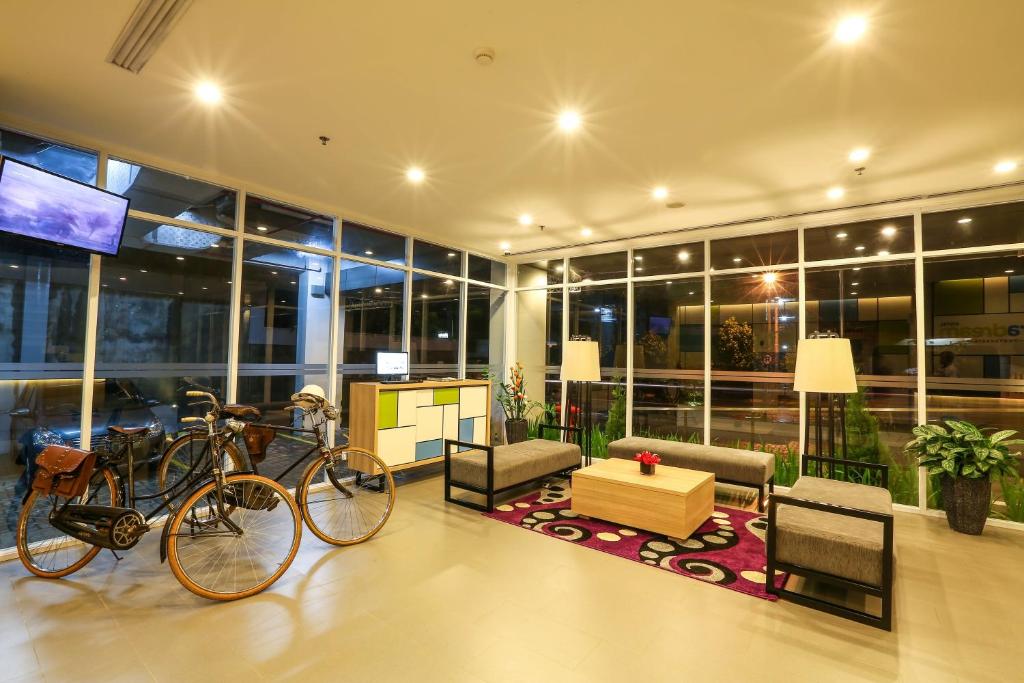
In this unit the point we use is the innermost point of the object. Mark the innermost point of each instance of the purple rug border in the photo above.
(541, 506)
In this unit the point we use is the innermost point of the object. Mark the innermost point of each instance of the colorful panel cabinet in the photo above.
(406, 424)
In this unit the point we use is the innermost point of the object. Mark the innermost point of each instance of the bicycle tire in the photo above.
(244, 485)
(237, 460)
(30, 551)
(344, 519)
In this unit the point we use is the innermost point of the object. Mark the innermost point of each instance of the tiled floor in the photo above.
(443, 594)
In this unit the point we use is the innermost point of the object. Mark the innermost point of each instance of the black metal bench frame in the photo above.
(489, 491)
(884, 591)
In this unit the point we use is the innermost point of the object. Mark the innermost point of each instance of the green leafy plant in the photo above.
(964, 450)
(511, 395)
(1012, 507)
(735, 345)
(615, 428)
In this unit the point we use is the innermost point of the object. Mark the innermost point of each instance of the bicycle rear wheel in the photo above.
(44, 550)
(230, 542)
(186, 454)
(343, 505)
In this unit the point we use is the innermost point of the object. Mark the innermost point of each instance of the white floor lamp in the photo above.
(581, 365)
(824, 366)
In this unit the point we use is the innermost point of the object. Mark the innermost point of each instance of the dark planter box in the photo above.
(966, 502)
(515, 431)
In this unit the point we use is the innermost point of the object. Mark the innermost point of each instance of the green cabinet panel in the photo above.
(444, 397)
(387, 409)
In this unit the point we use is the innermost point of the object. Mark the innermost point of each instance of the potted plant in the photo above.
(965, 458)
(647, 461)
(514, 403)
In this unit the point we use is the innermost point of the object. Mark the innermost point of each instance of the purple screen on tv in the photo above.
(38, 204)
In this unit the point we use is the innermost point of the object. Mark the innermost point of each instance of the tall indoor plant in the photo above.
(515, 404)
(965, 459)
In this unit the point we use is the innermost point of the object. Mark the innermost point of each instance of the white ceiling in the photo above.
(741, 108)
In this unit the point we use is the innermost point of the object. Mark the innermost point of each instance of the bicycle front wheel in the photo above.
(232, 541)
(344, 505)
(185, 457)
(44, 550)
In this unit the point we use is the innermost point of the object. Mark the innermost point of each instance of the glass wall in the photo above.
(434, 331)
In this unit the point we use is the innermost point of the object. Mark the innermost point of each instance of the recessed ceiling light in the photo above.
(964, 221)
(851, 29)
(835, 192)
(854, 284)
(586, 232)
(273, 272)
(660, 192)
(841, 235)
(179, 293)
(106, 285)
(569, 121)
(856, 269)
(293, 282)
(14, 265)
(180, 258)
(205, 288)
(638, 258)
(449, 282)
(368, 252)
(883, 252)
(860, 154)
(853, 293)
(415, 174)
(1005, 166)
(769, 278)
(424, 296)
(525, 219)
(638, 268)
(737, 259)
(504, 246)
(123, 279)
(684, 255)
(1008, 271)
(559, 268)
(208, 92)
(261, 228)
(889, 231)
(143, 270)
(451, 254)
(859, 247)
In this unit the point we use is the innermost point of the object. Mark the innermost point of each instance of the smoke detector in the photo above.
(484, 56)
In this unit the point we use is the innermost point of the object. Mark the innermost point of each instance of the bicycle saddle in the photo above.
(241, 412)
(127, 431)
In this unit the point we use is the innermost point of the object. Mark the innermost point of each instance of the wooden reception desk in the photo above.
(406, 424)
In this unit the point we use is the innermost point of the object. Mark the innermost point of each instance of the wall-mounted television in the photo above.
(45, 206)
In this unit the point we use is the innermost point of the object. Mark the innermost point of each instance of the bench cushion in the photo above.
(846, 547)
(748, 467)
(515, 463)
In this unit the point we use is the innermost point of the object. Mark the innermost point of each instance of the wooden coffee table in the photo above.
(673, 501)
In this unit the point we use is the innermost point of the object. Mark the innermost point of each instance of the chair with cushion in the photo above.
(490, 470)
(838, 532)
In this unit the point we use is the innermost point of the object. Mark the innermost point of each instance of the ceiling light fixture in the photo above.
(1008, 271)
(586, 232)
(854, 284)
(180, 258)
(378, 290)
(261, 228)
(504, 246)
(1005, 166)
(415, 175)
(888, 231)
(737, 259)
(964, 221)
(684, 256)
(208, 93)
(883, 252)
(853, 293)
(860, 154)
(859, 247)
(851, 29)
(660, 192)
(525, 219)
(569, 121)
(835, 192)
(841, 235)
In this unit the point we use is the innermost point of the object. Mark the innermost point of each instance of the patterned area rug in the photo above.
(727, 550)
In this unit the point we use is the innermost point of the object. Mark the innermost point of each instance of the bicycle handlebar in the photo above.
(184, 420)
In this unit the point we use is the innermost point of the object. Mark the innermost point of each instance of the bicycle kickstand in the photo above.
(116, 556)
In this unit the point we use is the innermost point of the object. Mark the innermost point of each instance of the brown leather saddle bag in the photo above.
(257, 438)
(63, 471)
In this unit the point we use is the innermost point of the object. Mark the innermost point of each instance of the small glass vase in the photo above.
(646, 469)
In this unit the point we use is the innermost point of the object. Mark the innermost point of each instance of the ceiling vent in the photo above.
(148, 27)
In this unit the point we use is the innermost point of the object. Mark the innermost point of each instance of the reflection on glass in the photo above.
(539, 343)
(436, 258)
(43, 299)
(597, 267)
(541, 273)
(668, 359)
(285, 322)
(485, 343)
(289, 223)
(975, 356)
(769, 249)
(866, 238)
(760, 416)
(434, 339)
(361, 240)
(168, 194)
(978, 226)
(486, 270)
(674, 258)
(754, 319)
(60, 159)
(371, 313)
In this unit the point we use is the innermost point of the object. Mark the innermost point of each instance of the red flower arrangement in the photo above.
(647, 458)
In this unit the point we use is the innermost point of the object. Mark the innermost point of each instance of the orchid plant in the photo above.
(512, 395)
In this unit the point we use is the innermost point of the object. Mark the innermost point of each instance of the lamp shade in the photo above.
(581, 362)
(825, 365)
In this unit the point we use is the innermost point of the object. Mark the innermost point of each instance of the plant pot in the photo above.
(515, 431)
(646, 469)
(967, 503)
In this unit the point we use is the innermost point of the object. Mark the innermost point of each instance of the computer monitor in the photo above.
(392, 364)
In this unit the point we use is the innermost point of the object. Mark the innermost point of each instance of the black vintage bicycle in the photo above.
(233, 535)
(345, 495)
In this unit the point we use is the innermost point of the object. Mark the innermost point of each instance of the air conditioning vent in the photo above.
(146, 30)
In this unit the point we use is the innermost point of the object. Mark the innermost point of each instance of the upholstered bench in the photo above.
(837, 532)
(489, 470)
(735, 466)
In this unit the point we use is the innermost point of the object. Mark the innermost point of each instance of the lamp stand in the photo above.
(583, 394)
